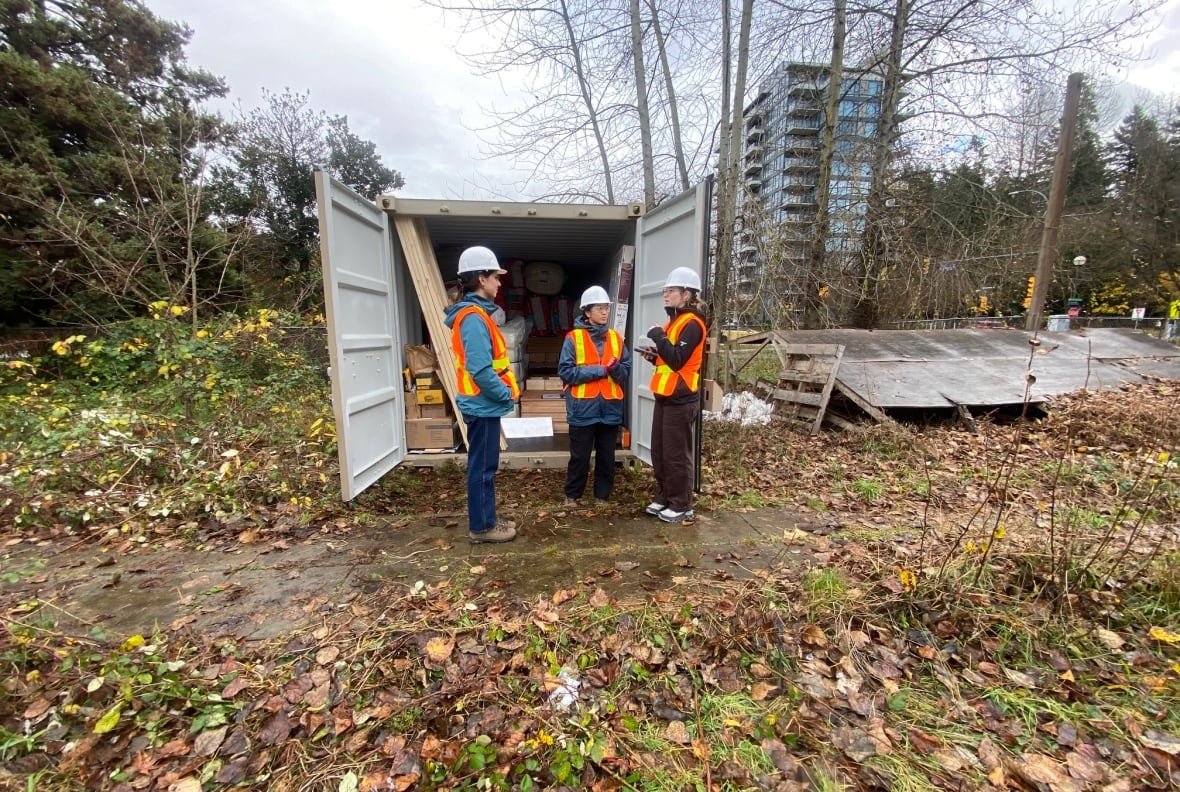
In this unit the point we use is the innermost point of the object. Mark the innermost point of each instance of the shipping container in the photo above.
(373, 311)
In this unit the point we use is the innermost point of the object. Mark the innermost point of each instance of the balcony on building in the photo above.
(802, 126)
(801, 182)
(754, 183)
(799, 199)
(798, 217)
(797, 143)
(754, 151)
(807, 87)
(753, 167)
(801, 164)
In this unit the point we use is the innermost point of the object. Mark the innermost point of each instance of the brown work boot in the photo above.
(505, 531)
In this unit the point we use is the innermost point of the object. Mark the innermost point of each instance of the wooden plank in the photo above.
(876, 413)
(797, 397)
(827, 393)
(819, 377)
(432, 296)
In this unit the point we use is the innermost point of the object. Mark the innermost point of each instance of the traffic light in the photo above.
(1032, 285)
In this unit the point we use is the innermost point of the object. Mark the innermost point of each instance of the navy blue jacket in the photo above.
(586, 412)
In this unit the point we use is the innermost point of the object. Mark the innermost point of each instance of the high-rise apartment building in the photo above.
(781, 165)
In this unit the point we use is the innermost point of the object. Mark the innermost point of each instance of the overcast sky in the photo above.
(389, 66)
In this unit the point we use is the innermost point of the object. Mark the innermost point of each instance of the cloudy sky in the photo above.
(389, 66)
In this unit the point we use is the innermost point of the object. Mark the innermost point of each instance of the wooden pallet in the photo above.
(806, 381)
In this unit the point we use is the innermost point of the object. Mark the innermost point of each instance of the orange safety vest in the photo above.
(586, 354)
(663, 379)
(500, 364)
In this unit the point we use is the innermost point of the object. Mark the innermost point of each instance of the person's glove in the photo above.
(612, 371)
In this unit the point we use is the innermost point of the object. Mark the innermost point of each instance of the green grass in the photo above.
(827, 590)
(868, 490)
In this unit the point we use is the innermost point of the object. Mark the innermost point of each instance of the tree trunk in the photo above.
(591, 111)
(814, 281)
(673, 109)
(727, 202)
(875, 253)
(649, 169)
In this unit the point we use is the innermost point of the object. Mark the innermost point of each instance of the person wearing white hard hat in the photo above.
(486, 386)
(676, 383)
(594, 365)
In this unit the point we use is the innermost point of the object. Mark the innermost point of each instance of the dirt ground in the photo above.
(264, 590)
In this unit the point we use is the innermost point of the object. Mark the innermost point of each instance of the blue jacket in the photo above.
(494, 399)
(586, 412)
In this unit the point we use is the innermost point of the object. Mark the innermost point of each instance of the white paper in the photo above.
(527, 427)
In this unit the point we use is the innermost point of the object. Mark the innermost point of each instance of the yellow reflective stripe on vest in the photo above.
(586, 354)
(464, 383)
(663, 379)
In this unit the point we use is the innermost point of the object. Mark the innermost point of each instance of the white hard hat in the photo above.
(595, 295)
(685, 278)
(479, 259)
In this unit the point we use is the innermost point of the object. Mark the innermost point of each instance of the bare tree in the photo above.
(649, 175)
(670, 88)
(815, 267)
(159, 243)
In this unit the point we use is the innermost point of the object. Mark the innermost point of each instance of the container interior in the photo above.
(584, 247)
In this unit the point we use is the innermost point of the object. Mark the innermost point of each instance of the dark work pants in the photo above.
(483, 458)
(672, 453)
(600, 438)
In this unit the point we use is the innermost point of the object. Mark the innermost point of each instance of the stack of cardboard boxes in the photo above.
(542, 395)
(430, 426)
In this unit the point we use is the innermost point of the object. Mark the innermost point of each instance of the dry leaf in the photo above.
(438, 649)
(814, 635)
(208, 742)
(564, 595)
(761, 690)
(37, 709)
(1164, 636)
(1041, 769)
(677, 732)
(1111, 640)
(186, 784)
(1160, 741)
(327, 655)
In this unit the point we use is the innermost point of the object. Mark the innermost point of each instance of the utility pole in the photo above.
(1048, 252)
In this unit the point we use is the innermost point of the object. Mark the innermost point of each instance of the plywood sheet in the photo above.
(981, 368)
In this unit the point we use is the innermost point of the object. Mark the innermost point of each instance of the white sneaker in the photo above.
(654, 508)
(672, 516)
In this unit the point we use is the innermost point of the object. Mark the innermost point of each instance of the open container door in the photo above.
(674, 234)
(364, 338)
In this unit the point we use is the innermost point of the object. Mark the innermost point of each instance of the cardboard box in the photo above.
(415, 411)
(427, 381)
(543, 351)
(554, 384)
(534, 384)
(430, 396)
(430, 433)
(712, 394)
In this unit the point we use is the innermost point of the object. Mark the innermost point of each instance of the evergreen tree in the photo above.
(98, 121)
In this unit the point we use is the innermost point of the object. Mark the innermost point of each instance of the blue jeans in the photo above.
(483, 459)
